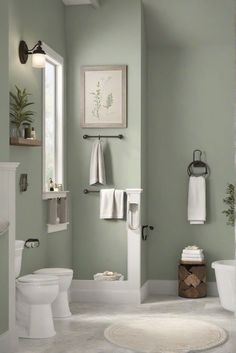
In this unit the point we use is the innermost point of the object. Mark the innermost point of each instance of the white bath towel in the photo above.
(193, 252)
(97, 165)
(197, 200)
(192, 256)
(118, 211)
(107, 203)
(191, 259)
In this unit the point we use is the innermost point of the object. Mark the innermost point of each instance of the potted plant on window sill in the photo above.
(20, 115)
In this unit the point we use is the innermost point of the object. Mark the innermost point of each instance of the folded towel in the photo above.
(187, 259)
(107, 203)
(112, 276)
(192, 255)
(97, 166)
(192, 247)
(199, 251)
(62, 210)
(192, 258)
(197, 200)
(53, 211)
(118, 211)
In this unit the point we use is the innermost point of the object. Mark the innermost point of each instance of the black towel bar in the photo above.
(86, 191)
(85, 137)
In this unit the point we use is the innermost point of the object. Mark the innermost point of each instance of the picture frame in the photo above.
(103, 96)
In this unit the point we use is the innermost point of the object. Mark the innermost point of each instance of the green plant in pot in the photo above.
(229, 201)
(20, 113)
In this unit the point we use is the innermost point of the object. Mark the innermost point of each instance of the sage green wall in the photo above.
(32, 20)
(191, 105)
(4, 155)
(109, 35)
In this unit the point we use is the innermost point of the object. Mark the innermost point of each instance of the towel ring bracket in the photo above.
(198, 163)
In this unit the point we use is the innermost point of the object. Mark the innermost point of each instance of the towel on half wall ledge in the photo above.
(97, 165)
(197, 200)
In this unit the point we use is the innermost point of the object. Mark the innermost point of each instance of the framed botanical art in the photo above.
(103, 96)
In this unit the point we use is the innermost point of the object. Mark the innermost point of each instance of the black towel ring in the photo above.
(198, 163)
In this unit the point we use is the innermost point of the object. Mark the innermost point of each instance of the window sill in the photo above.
(55, 195)
(53, 228)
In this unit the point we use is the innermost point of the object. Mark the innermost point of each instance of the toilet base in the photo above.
(35, 321)
(60, 306)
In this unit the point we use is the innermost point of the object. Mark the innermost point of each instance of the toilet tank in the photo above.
(19, 247)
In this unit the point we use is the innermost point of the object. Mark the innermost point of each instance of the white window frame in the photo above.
(57, 60)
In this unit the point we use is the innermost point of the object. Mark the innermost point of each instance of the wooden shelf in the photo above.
(18, 141)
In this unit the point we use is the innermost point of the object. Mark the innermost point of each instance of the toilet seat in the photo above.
(37, 280)
(54, 271)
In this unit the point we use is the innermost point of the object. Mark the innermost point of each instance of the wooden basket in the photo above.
(192, 280)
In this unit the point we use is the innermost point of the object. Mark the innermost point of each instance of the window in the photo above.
(52, 119)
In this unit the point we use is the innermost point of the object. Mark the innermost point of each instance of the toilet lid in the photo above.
(37, 279)
(55, 271)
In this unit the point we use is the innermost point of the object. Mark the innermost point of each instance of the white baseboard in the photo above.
(162, 287)
(103, 292)
(8, 343)
(120, 292)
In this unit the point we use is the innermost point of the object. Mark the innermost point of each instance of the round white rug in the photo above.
(160, 335)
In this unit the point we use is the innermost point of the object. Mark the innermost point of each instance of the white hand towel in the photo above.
(197, 200)
(97, 166)
(119, 204)
(107, 203)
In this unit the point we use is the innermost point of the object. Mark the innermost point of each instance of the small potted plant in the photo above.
(229, 201)
(20, 115)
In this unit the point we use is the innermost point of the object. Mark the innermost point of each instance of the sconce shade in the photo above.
(38, 54)
(38, 60)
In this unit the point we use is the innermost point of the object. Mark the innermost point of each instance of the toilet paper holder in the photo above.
(32, 243)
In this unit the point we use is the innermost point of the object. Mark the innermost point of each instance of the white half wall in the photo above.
(87, 291)
(120, 292)
(8, 212)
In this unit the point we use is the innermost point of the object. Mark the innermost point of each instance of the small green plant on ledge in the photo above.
(229, 201)
(19, 109)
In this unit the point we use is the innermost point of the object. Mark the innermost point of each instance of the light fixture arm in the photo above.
(30, 51)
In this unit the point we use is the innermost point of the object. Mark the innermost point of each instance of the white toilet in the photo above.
(60, 307)
(34, 296)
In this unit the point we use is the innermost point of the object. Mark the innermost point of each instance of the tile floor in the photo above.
(83, 332)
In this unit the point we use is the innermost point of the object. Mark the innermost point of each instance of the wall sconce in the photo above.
(38, 54)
